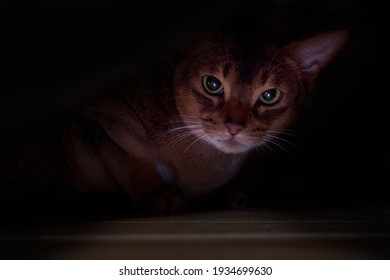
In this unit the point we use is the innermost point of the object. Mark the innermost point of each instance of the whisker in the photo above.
(180, 137)
(185, 116)
(285, 141)
(260, 149)
(176, 122)
(272, 141)
(281, 136)
(176, 129)
(196, 140)
(284, 132)
(264, 145)
(181, 121)
(276, 55)
(295, 67)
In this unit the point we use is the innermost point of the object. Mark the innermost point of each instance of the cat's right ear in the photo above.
(316, 52)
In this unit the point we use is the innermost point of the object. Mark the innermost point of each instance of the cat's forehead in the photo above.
(245, 60)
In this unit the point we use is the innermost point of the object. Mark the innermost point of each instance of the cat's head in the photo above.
(237, 95)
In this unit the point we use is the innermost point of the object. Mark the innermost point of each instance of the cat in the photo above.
(175, 134)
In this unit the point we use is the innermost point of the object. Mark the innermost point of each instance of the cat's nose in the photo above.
(234, 128)
(236, 116)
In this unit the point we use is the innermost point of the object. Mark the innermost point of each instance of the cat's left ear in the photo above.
(316, 52)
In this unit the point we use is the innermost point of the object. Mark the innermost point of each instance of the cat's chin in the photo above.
(231, 146)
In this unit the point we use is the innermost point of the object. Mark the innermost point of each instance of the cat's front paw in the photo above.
(235, 199)
(161, 201)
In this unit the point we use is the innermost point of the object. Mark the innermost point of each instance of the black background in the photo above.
(57, 54)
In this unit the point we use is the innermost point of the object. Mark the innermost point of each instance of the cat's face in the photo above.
(237, 98)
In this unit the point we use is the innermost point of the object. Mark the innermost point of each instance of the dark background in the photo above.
(55, 55)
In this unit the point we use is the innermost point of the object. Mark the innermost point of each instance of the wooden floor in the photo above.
(231, 234)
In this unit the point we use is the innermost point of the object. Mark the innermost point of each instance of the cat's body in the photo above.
(172, 135)
(145, 144)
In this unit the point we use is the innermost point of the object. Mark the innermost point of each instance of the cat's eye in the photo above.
(212, 85)
(270, 96)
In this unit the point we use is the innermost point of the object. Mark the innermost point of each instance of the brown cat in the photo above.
(173, 135)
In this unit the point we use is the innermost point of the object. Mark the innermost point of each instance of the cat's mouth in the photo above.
(231, 141)
(232, 145)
